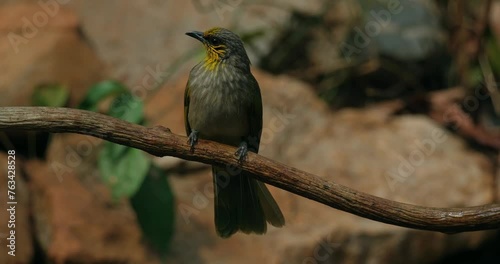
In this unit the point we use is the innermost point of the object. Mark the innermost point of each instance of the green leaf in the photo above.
(55, 95)
(130, 109)
(475, 76)
(123, 174)
(127, 107)
(154, 206)
(100, 91)
(122, 168)
(493, 51)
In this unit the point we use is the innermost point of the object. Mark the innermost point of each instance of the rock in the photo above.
(405, 158)
(350, 50)
(78, 222)
(39, 46)
(316, 41)
(152, 34)
(20, 224)
(406, 30)
(409, 159)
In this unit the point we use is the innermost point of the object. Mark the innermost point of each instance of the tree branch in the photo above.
(159, 141)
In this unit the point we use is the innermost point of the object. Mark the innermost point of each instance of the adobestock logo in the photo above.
(220, 7)
(202, 197)
(74, 157)
(422, 149)
(31, 25)
(153, 78)
(280, 118)
(378, 21)
(324, 252)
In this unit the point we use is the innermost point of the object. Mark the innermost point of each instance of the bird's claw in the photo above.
(241, 152)
(193, 139)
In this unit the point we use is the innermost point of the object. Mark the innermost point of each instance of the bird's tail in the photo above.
(243, 203)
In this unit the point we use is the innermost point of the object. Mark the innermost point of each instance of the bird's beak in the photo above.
(197, 35)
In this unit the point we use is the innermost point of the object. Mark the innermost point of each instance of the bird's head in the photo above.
(222, 46)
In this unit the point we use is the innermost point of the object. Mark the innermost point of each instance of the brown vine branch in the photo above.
(159, 141)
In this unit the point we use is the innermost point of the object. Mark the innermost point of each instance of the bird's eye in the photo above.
(214, 41)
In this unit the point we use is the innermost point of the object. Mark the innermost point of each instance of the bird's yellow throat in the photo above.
(214, 56)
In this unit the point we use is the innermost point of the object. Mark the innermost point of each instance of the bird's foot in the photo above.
(193, 139)
(242, 151)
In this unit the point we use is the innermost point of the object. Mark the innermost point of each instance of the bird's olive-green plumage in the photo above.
(222, 102)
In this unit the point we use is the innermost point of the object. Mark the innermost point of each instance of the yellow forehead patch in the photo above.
(211, 31)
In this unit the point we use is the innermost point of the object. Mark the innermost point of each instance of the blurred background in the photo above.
(398, 99)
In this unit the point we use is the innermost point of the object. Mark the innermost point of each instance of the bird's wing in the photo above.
(187, 95)
(255, 118)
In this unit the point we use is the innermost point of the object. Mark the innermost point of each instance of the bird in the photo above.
(223, 103)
